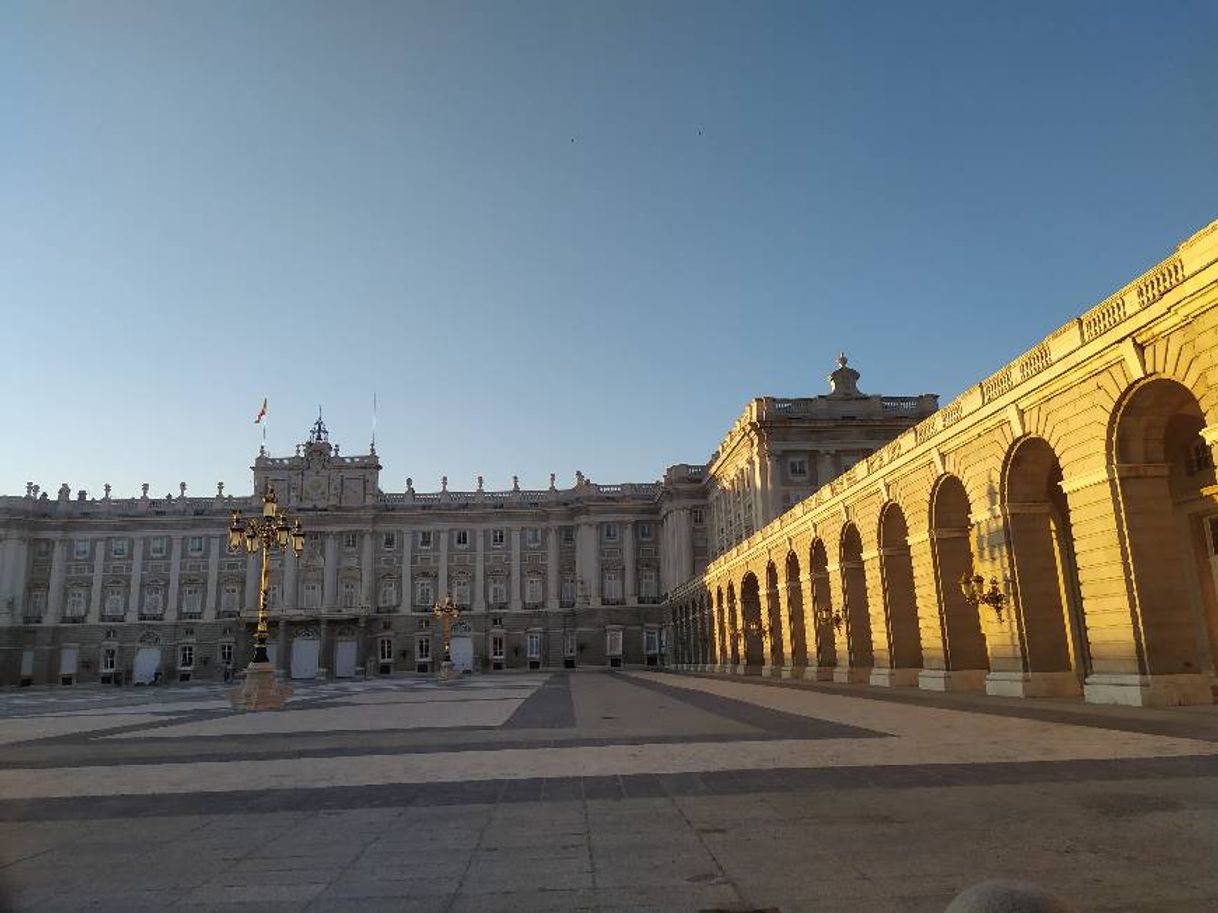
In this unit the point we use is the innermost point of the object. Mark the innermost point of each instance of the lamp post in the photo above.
(447, 611)
(972, 587)
(272, 531)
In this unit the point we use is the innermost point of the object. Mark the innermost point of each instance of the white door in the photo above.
(67, 661)
(304, 657)
(461, 649)
(147, 661)
(344, 659)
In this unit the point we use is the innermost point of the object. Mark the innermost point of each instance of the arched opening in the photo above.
(854, 593)
(900, 604)
(822, 606)
(733, 627)
(963, 642)
(774, 616)
(795, 613)
(1042, 560)
(1162, 466)
(750, 606)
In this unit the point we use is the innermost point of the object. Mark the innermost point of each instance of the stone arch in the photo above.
(822, 605)
(897, 579)
(1161, 468)
(774, 619)
(1048, 602)
(795, 613)
(752, 622)
(950, 527)
(855, 610)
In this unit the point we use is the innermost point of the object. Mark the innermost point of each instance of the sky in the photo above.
(555, 236)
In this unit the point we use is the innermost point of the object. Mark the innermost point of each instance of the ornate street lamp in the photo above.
(974, 591)
(447, 611)
(273, 531)
(826, 616)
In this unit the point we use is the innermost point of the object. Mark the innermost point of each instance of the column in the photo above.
(95, 588)
(632, 587)
(479, 600)
(442, 582)
(825, 468)
(175, 577)
(252, 581)
(514, 582)
(583, 585)
(291, 571)
(552, 581)
(685, 551)
(882, 672)
(367, 573)
(213, 578)
(329, 585)
(55, 595)
(930, 621)
(133, 595)
(588, 558)
(407, 581)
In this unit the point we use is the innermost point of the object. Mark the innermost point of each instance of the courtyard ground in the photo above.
(597, 791)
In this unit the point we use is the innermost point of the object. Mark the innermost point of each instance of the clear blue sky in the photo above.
(556, 236)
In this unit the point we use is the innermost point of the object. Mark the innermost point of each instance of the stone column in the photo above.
(934, 675)
(514, 580)
(323, 664)
(133, 594)
(407, 577)
(552, 588)
(367, 574)
(631, 593)
(882, 672)
(214, 544)
(442, 582)
(479, 600)
(291, 582)
(329, 587)
(175, 578)
(95, 588)
(781, 598)
(59, 550)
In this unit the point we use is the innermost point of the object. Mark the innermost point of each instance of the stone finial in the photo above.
(65, 492)
(409, 484)
(844, 380)
(515, 483)
(579, 478)
(34, 491)
(443, 483)
(480, 483)
(336, 450)
(551, 481)
(81, 495)
(219, 489)
(181, 489)
(144, 490)
(106, 492)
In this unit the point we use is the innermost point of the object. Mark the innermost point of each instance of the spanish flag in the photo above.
(261, 413)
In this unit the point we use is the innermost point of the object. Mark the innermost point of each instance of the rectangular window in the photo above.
(498, 591)
(350, 541)
(389, 541)
(109, 659)
(532, 537)
(424, 593)
(462, 538)
(611, 532)
(350, 594)
(194, 546)
(156, 547)
(645, 532)
(461, 593)
(226, 654)
(274, 596)
(568, 592)
(385, 649)
(422, 651)
(389, 593)
(569, 644)
(534, 645)
(613, 586)
(118, 548)
(613, 642)
(192, 599)
(114, 602)
(153, 600)
(568, 535)
(230, 598)
(422, 624)
(42, 549)
(186, 656)
(532, 590)
(798, 467)
(497, 538)
(312, 596)
(80, 549)
(648, 588)
(651, 642)
(424, 538)
(76, 603)
(497, 646)
(698, 516)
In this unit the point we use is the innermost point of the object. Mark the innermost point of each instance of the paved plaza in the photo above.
(597, 791)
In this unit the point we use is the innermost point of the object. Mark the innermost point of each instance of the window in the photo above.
(118, 548)
(798, 467)
(569, 644)
(496, 621)
(42, 549)
(114, 604)
(38, 602)
(423, 624)
(648, 588)
(389, 593)
(350, 541)
(186, 656)
(568, 592)
(497, 647)
(109, 659)
(350, 594)
(226, 654)
(611, 532)
(651, 642)
(532, 590)
(424, 593)
(389, 541)
(462, 538)
(568, 535)
(80, 548)
(156, 547)
(497, 538)
(194, 546)
(461, 592)
(312, 596)
(534, 645)
(192, 599)
(613, 586)
(384, 649)
(230, 598)
(424, 538)
(422, 651)
(274, 595)
(613, 642)
(498, 591)
(698, 516)
(532, 537)
(153, 600)
(76, 602)
(645, 532)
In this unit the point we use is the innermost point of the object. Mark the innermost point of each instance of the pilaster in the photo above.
(133, 593)
(175, 577)
(514, 579)
(631, 593)
(479, 600)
